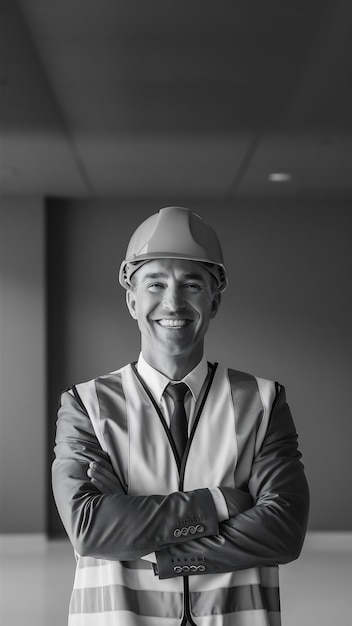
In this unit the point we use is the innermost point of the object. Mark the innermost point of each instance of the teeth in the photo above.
(172, 323)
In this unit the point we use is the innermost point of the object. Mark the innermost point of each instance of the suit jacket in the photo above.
(243, 441)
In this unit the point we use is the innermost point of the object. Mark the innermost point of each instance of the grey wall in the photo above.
(22, 366)
(286, 315)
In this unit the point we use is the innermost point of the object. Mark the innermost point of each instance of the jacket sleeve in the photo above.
(270, 532)
(116, 526)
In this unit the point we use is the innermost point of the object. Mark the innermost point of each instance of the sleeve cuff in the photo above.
(220, 504)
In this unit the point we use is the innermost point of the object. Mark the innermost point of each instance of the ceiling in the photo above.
(136, 98)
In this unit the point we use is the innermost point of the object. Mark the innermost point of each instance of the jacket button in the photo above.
(200, 528)
(177, 569)
(184, 531)
(201, 568)
(193, 568)
(177, 532)
(192, 530)
(185, 568)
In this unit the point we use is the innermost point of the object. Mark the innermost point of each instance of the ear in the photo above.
(131, 303)
(216, 303)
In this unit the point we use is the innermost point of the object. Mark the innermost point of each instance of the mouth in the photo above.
(173, 323)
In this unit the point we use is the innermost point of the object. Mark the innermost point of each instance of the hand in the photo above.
(102, 476)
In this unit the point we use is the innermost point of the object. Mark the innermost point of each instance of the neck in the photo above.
(174, 367)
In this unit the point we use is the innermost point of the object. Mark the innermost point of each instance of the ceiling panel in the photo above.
(170, 165)
(164, 66)
(26, 101)
(322, 99)
(40, 163)
(186, 98)
(199, 18)
(36, 152)
(316, 162)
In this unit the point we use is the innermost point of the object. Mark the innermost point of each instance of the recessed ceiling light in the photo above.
(280, 177)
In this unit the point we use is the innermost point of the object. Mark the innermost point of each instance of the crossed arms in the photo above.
(266, 524)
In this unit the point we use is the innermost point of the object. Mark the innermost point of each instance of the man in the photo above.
(180, 500)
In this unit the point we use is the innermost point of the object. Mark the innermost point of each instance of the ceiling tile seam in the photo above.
(55, 103)
(244, 165)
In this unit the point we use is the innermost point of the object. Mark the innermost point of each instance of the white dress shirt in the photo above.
(157, 383)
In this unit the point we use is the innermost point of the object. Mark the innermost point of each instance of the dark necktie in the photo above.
(178, 424)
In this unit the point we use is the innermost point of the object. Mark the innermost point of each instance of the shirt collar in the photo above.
(157, 381)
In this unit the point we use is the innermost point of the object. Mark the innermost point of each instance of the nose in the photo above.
(173, 300)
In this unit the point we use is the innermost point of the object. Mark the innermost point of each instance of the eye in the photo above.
(193, 287)
(155, 287)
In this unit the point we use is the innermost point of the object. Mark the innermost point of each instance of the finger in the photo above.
(104, 464)
(106, 476)
(103, 475)
(98, 476)
(100, 486)
(102, 470)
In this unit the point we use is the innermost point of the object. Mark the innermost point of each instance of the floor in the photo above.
(36, 579)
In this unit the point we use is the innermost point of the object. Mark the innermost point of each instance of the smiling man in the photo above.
(179, 481)
(173, 301)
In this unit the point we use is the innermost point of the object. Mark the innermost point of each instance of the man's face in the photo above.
(173, 301)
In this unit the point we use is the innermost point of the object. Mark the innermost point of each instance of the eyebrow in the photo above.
(153, 276)
(156, 275)
(194, 277)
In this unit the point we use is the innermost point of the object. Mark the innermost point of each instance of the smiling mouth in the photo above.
(173, 323)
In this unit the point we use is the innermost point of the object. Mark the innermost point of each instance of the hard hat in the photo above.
(174, 233)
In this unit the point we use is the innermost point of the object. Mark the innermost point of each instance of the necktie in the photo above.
(178, 424)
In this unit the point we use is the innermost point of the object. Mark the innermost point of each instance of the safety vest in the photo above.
(229, 432)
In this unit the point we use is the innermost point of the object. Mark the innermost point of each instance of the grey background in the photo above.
(286, 316)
